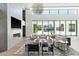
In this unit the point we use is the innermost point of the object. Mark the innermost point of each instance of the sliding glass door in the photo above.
(57, 27)
(34, 27)
(39, 25)
(62, 27)
(45, 27)
(74, 26)
(68, 27)
(51, 27)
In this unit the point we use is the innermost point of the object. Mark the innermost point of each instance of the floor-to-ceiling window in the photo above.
(57, 27)
(45, 27)
(68, 32)
(71, 27)
(34, 27)
(39, 25)
(74, 28)
(51, 27)
(62, 27)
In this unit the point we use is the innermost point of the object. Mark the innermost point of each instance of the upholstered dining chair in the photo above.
(33, 48)
(44, 47)
(51, 49)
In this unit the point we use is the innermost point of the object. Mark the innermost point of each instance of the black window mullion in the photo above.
(48, 28)
(42, 27)
(55, 30)
(59, 26)
(71, 28)
(76, 28)
(65, 27)
(54, 26)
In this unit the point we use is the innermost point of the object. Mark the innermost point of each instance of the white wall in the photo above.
(28, 23)
(14, 10)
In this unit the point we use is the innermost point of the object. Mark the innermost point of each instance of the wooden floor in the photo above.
(14, 50)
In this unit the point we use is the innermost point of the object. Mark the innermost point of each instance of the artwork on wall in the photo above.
(60, 28)
(71, 27)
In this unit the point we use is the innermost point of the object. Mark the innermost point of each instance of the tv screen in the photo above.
(15, 23)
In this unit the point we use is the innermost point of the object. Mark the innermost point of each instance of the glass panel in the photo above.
(73, 30)
(62, 11)
(57, 29)
(34, 27)
(45, 27)
(51, 27)
(39, 27)
(68, 27)
(45, 12)
(62, 28)
(72, 11)
(54, 11)
(54, 27)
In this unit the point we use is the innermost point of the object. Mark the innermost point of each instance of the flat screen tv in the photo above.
(15, 23)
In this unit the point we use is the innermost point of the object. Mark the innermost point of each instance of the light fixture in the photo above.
(37, 8)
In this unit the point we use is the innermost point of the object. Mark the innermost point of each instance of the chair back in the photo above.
(43, 36)
(51, 48)
(44, 44)
(69, 41)
(33, 37)
(33, 47)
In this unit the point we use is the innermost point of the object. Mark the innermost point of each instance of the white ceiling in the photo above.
(54, 4)
(29, 5)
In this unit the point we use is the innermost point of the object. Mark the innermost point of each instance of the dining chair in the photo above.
(44, 48)
(51, 49)
(69, 41)
(33, 48)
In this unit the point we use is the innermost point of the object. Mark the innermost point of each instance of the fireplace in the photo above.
(16, 35)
